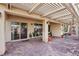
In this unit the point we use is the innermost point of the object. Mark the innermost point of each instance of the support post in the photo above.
(2, 32)
(45, 31)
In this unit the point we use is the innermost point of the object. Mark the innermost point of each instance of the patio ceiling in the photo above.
(76, 7)
(53, 11)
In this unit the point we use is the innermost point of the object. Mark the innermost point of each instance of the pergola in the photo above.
(54, 11)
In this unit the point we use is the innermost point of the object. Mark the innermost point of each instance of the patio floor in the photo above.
(35, 47)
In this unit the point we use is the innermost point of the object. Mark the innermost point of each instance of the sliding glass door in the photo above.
(18, 30)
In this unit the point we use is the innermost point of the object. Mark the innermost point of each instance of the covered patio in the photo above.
(21, 25)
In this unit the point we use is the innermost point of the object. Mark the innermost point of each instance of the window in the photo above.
(38, 29)
(65, 28)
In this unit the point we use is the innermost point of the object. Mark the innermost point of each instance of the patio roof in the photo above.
(54, 11)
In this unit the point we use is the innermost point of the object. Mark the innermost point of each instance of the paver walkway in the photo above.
(35, 47)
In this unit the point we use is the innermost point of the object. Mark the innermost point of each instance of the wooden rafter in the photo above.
(34, 7)
(62, 16)
(64, 19)
(52, 12)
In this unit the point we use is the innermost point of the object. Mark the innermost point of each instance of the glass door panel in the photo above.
(23, 30)
(48, 28)
(15, 31)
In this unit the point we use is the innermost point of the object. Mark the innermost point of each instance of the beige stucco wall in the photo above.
(76, 28)
(56, 29)
(3, 6)
(11, 18)
(8, 31)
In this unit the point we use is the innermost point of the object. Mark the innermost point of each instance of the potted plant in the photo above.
(49, 36)
(30, 35)
(50, 33)
(41, 33)
(33, 34)
(36, 33)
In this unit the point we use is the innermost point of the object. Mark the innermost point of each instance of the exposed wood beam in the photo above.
(34, 7)
(62, 16)
(53, 21)
(64, 19)
(52, 12)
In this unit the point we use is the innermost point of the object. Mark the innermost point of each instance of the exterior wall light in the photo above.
(31, 23)
(47, 22)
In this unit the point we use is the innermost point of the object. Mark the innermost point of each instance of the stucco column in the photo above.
(45, 31)
(76, 29)
(68, 28)
(28, 30)
(62, 32)
(2, 32)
